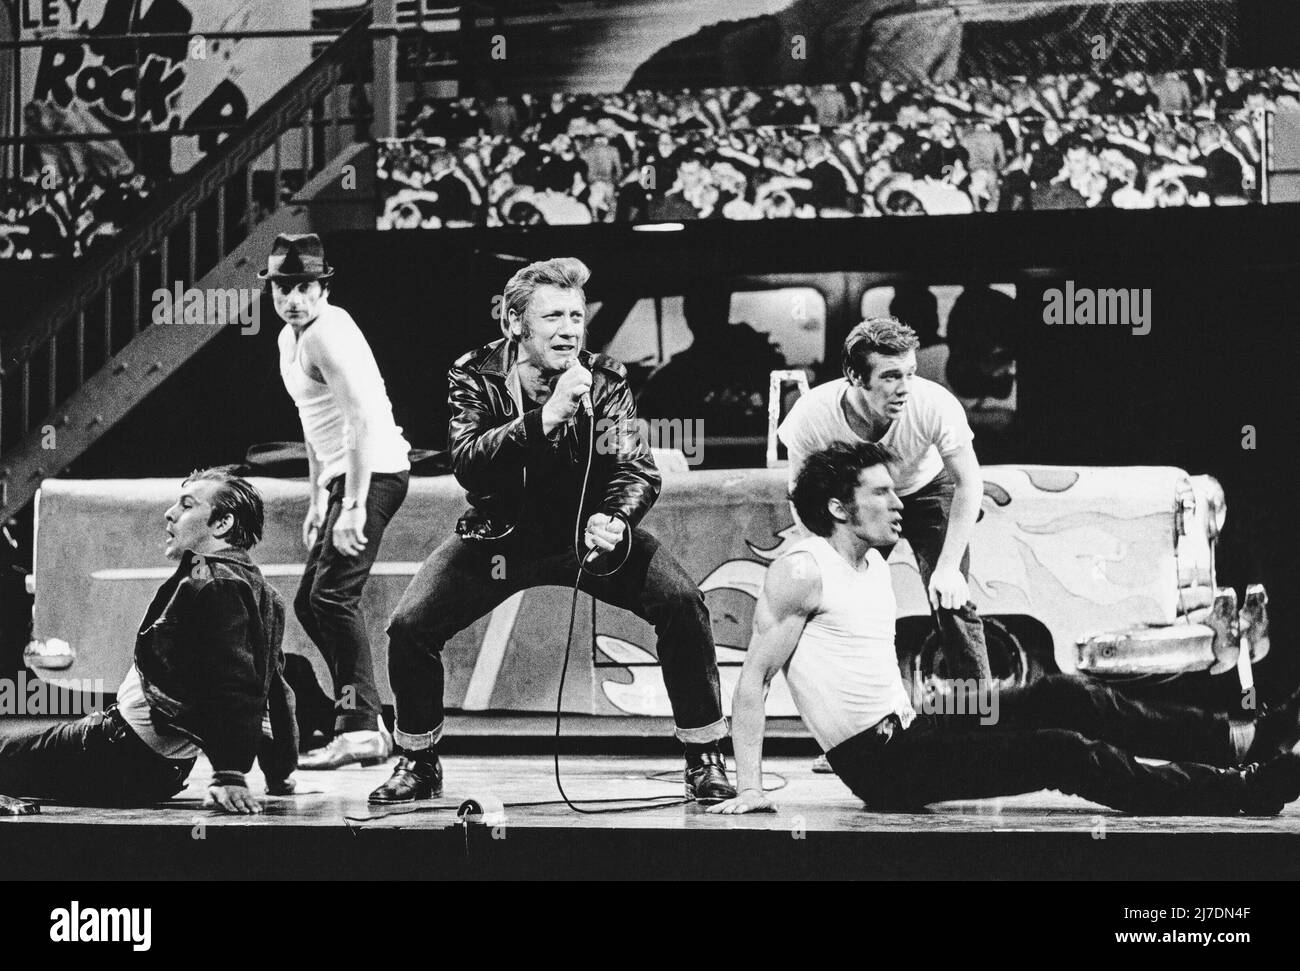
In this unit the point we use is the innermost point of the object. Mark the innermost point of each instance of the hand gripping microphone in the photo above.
(586, 395)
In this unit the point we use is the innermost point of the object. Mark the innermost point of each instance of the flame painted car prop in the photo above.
(1106, 571)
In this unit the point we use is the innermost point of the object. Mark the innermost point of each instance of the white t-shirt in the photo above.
(843, 675)
(932, 425)
(134, 708)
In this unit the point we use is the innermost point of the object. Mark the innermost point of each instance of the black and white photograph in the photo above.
(652, 440)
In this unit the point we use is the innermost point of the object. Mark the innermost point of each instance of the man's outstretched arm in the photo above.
(791, 594)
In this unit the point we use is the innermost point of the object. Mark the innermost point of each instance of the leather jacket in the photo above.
(211, 663)
(491, 441)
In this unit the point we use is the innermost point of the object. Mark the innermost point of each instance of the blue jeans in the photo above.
(461, 581)
(925, 524)
(328, 602)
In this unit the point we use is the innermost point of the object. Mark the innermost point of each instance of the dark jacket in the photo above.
(491, 441)
(210, 661)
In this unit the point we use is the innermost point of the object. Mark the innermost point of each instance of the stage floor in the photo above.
(327, 830)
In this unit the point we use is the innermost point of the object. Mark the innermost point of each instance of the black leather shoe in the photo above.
(413, 778)
(1277, 730)
(1270, 785)
(706, 778)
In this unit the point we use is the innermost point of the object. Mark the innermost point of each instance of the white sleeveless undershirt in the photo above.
(843, 675)
(324, 424)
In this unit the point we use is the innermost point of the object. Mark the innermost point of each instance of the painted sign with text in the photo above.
(148, 65)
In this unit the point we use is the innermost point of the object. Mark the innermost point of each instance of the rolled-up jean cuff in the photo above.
(416, 743)
(703, 735)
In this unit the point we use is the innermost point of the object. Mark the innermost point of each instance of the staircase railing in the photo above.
(185, 231)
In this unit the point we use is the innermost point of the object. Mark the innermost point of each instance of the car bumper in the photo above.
(1213, 646)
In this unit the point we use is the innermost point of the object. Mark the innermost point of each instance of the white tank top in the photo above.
(323, 423)
(843, 675)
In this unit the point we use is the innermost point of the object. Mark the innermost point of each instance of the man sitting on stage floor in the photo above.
(208, 665)
(826, 615)
(933, 465)
(528, 415)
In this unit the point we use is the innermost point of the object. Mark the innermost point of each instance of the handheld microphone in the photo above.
(586, 395)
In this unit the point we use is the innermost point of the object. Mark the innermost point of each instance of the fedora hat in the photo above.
(296, 257)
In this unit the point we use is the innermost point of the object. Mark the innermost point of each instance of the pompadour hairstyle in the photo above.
(565, 272)
(883, 335)
(239, 499)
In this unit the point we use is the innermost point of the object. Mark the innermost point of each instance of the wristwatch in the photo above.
(349, 502)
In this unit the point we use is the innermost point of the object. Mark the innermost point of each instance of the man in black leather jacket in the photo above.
(526, 411)
(208, 671)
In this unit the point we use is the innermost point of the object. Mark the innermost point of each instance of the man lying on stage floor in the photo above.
(826, 615)
(520, 444)
(208, 666)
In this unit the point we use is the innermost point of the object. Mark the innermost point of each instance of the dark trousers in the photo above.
(98, 761)
(1061, 732)
(925, 523)
(328, 602)
(463, 580)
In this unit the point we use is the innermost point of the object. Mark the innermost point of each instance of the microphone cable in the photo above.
(644, 803)
(638, 803)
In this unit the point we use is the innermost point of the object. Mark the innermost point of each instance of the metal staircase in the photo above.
(92, 353)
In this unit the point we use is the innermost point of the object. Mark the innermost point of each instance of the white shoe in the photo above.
(365, 748)
(822, 765)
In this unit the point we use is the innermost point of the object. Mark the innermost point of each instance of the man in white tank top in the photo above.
(359, 472)
(826, 616)
(935, 470)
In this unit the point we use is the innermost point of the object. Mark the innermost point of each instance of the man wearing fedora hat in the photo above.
(359, 472)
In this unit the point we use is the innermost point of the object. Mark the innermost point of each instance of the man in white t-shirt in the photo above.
(935, 472)
(826, 616)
